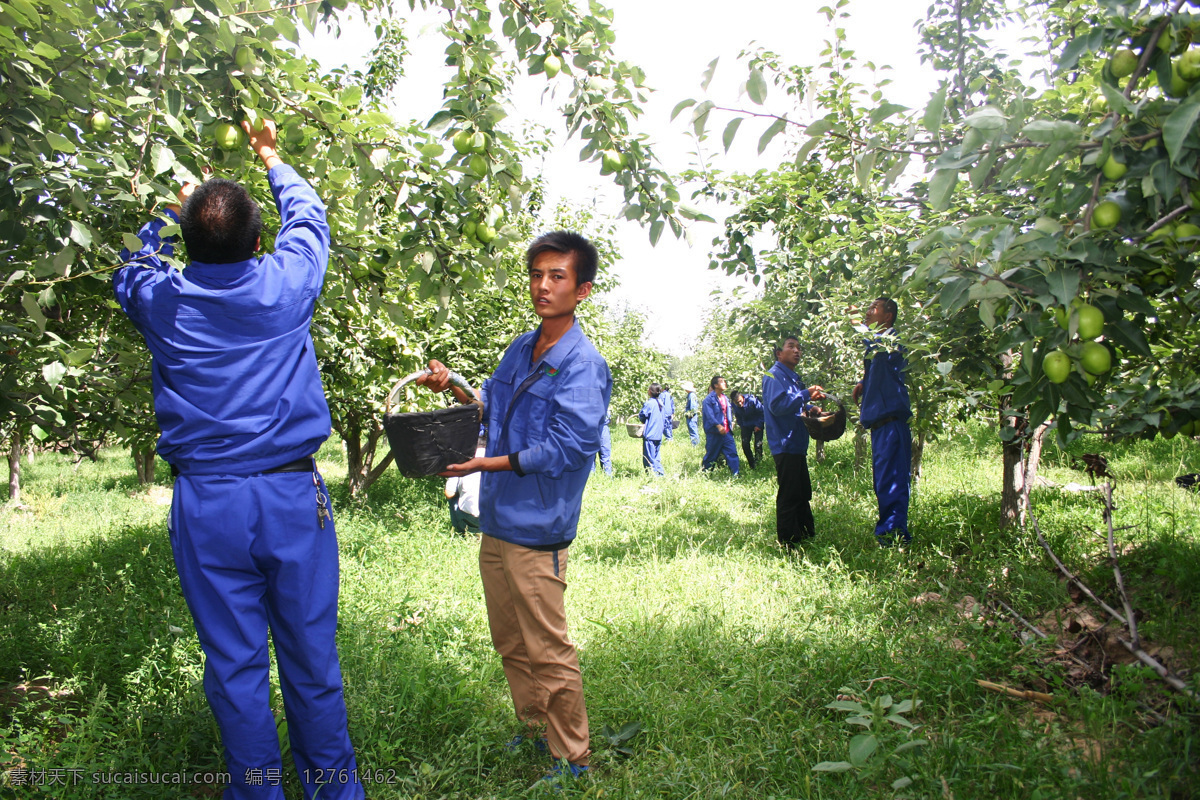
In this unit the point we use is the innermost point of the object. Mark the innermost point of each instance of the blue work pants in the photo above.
(716, 446)
(251, 556)
(693, 426)
(605, 453)
(650, 456)
(891, 459)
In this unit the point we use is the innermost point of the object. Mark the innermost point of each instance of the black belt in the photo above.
(883, 422)
(299, 465)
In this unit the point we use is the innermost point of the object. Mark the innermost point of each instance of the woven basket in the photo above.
(827, 428)
(635, 429)
(426, 442)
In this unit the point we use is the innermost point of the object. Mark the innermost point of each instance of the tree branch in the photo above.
(1112, 555)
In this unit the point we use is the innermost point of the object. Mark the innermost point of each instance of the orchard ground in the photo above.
(690, 621)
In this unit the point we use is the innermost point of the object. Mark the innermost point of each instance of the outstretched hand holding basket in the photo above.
(437, 378)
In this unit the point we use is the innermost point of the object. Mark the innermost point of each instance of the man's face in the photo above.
(789, 354)
(552, 285)
(740, 400)
(721, 386)
(876, 316)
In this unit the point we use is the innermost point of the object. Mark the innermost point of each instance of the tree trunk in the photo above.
(918, 459)
(1031, 468)
(14, 467)
(360, 458)
(860, 447)
(143, 462)
(819, 452)
(1013, 457)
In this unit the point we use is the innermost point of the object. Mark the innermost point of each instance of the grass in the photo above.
(690, 621)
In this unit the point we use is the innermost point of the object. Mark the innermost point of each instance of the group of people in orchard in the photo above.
(242, 412)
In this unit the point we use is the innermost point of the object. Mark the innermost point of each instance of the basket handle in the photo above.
(455, 378)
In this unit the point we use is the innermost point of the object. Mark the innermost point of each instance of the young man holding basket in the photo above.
(543, 407)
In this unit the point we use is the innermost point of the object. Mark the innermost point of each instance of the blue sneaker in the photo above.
(539, 744)
(561, 769)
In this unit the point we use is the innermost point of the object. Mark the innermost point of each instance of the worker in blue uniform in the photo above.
(543, 407)
(718, 428)
(785, 399)
(748, 411)
(885, 411)
(653, 416)
(691, 411)
(668, 401)
(239, 402)
(605, 454)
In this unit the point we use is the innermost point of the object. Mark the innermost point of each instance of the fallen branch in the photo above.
(1021, 694)
(1019, 618)
(1169, 677)
(1112, 555)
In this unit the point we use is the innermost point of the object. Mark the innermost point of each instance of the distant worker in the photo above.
(238, 397)
(691, 412)
(653, 415)
(605, 454)
(785, 399)
(668, 413)
(748, 411)
(885, 412)
(718, 428)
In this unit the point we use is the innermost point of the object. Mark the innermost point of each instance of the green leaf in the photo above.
(901, 783)
(1179, 126)
(1129, 336)
(1064, 285)
(862, 747)
(681, 106)
(656, 229)
(833, 766)
(708, 74)
(30, 304)
(1044, 131)
(819, 127)
(731, 131)
(80, 234)
(131, 241)
(756, 87)
(987, 119)
(161, 159)
(770, 133)
(932, 120)
(847, 705)
(882, 112)
(46, 51)
(955, 294)
(700, 116)
(54, 372)
(915, 743)
(59, 142)
(941, 188)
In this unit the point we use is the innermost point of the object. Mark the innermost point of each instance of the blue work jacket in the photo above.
(235, 380)
(785, 398)
(691, 404)
(711, 409)
(884, 391)
(750, 414)
(545, 416)
(654, 414)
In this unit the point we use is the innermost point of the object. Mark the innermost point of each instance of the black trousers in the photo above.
(793, 510)
(752, 458)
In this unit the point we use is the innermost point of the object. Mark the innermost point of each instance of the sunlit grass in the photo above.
(689, 618)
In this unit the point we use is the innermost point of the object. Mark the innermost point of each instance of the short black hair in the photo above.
(889, 306)
(585, 258)
(734, 395)
(655, 390)
(713, 383)
(220, 223)
(784, 340)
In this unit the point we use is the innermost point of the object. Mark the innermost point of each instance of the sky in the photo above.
(673, 42)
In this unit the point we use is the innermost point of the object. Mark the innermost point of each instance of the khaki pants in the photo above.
(524, 593)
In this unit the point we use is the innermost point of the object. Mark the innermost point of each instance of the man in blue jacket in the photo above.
(718, 428)
(543, 407)
(239, 402)
(691, 412)
(885, 412)
(749, 413)
(785, 399)
(668, 401)
(653, 415)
